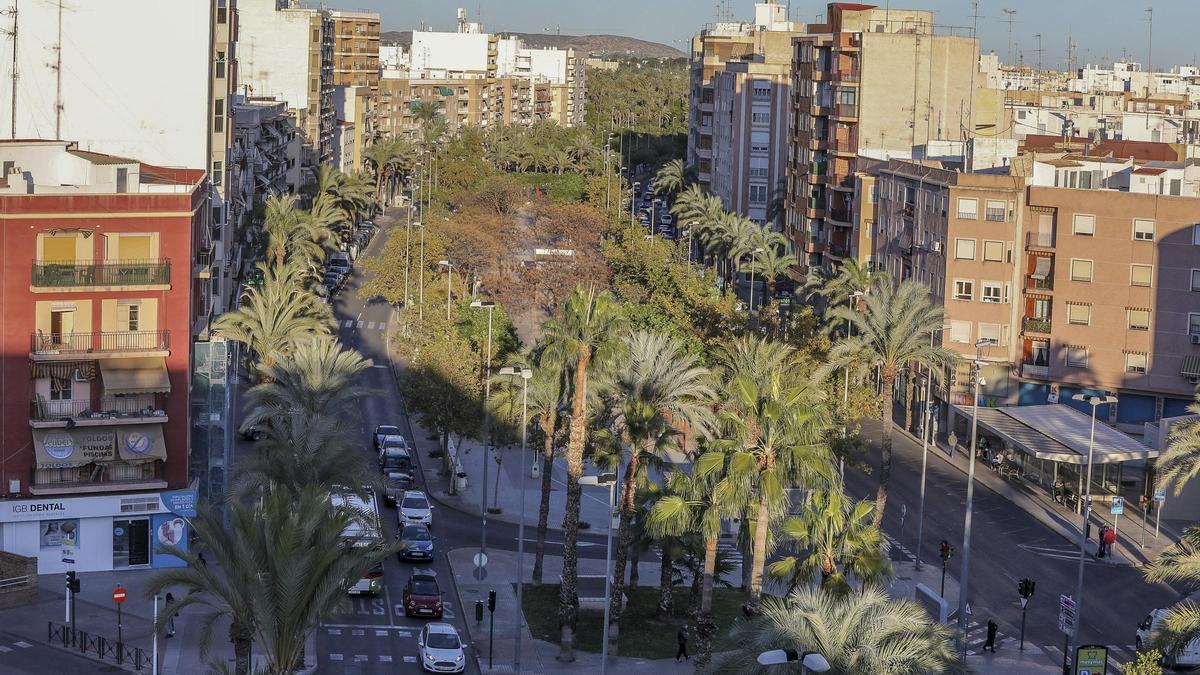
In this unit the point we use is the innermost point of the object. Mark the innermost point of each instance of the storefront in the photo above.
(99, 533)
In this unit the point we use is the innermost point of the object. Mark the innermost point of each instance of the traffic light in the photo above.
(1025, 587)
(491, 601)
(72, 582)
(945, 551)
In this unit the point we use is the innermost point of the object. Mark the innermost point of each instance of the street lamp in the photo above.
(964, 576)
(813, 661)
(407, 250)
(691, 232)
(608, 480)
(633, 199)
(926, 438)
(1095, 402)
(421, 276)
(449, 276)
(525, 374)
(487, 419)
(754, 252)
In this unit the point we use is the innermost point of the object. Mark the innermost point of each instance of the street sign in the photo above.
(118, 595)
(480, 560)
(1091, 660)
(1118, 506)
(1160, 496)
(1066, 614)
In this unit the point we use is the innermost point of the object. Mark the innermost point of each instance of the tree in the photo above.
(849, 277)
(293, 235)
(318, 377)
(1147, 663)
(273, 318)
(1181, 461)
(389, 158)
(1178, 563)
(893, 330)
(296, 451)
(548, 393)
(658, 389)
(857, 633)
(588, 338)
(283, 569)
(771, 263)
(670, 178)
(834, 536)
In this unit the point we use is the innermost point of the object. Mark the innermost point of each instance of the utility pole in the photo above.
(1038, 78)
(15, 75)
(1011, 13)
(58, 100)
(1149, 51)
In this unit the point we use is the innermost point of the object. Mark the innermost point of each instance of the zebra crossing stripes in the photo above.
(367, 325)
(977, 635)
(896, 547)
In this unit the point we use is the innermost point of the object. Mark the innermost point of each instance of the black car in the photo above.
(251, 433)
(394, 486)
(416, 543)
(382, 431)
(395, 459)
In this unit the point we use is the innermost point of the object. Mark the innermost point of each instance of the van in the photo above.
(1188, 655)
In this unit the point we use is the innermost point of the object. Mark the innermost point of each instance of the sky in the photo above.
(1102, 29)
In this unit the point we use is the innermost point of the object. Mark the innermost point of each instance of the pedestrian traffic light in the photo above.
(491, 601)
(1025, 588)
(72, 582)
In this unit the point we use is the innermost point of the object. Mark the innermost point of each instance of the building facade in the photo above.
(355, 49)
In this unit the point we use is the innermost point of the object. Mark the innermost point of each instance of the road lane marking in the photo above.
(385, 658)
(381, 365)
(360, 324)
(381, 633)
(335, 657)
(370, 325)
(367, 625)
(23, 645)
(360, 658)
(358, 631)
(335, 631)
(410, 659)
(5, 650)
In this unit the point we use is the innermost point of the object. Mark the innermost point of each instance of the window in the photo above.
(1081, 270)
(218, 172)
(993, 251)
(122, 180)
(1196, 235)
(133, 318)
(992, 291)
(1083, 225)
(994, 211)
(219, 115)
(1135, 362)
(1079, 314)
(1195, 280)
(1140, 275)
(964, 289)
(60, 389)
(1139, 319)
(762, 91)
(220, 65)
(760, 118)
(964, 249)
(1143, 230)
(1077, 357)
(968, 208)
(758, 194)
(1193, 324)
(990, 332)
(960, 331)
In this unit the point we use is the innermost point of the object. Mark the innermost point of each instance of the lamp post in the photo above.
(926, 439)
(754, 252)
(964, 576)
(1095, 402)
(421, 276)
(487, 423)
(525, 374)
(407, 251)
(633, 199)
(691, 232)
(608, 480)
(449, 276)
(809, 661)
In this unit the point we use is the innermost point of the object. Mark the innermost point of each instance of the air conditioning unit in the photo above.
(937, 247)
(1196, 338)
(78, 376)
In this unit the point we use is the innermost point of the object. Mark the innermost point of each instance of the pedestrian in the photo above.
(170, 607)
(991, 636)
(1110, 538)
(1100, 541)
(200, 557)
(682, 637)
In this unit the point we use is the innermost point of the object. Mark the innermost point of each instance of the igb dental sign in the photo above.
(73, 507)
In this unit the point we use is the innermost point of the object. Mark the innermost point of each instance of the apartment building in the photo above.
(172, 109)
(109, 274)
(870, 82)
(355, 49)
(287, 53)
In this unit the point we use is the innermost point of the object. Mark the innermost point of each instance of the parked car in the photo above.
(1187, 656)
(422, 597)
(395, 484)
(338, 262)
(416, 543)
(440, 649)
(415, 508)
(395, 459)
(666, 219)
(384, 430)
(335, 279)
(251, 433)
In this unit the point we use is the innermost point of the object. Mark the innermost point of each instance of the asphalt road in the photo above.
(21, 657)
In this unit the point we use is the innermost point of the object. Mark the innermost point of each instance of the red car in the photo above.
(422, 597)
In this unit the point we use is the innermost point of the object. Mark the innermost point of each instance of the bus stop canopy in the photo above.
(1059, 433)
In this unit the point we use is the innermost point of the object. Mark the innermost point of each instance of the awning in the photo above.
(65, 448)
(141, 443)
(1042, 270)
(84, 370)
(146, 375)
(1191, 366)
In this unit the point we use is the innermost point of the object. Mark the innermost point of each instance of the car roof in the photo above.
(415, 493)
(386, 426)
(423, 577)
(439, 627)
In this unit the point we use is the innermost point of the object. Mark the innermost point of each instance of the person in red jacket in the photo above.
(1109, 538)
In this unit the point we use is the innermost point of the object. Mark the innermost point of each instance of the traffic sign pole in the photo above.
(118, 596)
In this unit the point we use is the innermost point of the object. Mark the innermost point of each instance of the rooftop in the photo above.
(43, 167)
(1060, 433)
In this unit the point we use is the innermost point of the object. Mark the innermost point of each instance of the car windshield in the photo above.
(420, 587)
(397, 480)
(386, 430)
(442, 641)
(415, 503)
(416, 533)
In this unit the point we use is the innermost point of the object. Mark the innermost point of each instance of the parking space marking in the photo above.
(410, 659)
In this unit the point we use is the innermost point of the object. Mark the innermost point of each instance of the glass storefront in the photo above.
(131, 542)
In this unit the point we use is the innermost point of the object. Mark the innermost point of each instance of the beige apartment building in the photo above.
(355, 49)
(870, 83)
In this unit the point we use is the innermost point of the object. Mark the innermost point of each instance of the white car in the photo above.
(1188, 656)
(440, 649)
(414, 507)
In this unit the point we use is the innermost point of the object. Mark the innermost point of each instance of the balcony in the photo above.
(1032, 324)
(1033, 283)
(108, 411)
(848, 77)
(841, 216)
(127, 273)
(1034, 371)
(1036, 240)
(846, 111)
(107, 477)
(60, 346)
(845, 145)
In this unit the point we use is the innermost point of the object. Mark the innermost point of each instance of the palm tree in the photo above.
(738, 236)
(772, 263)
(582, 149)
(658, 388)
(587, 337)
(548, 393)
(849, 278)
(670, 178)
(275, 316)
(835, 536)
(426, 111)
(561, 160)
(893, 330)
(1178, 563)
(773, 422)
(388, 158)
(318, 377)
(283, 569)
(1181, 461)
(297, 451)
(288, 236)
(867, 633)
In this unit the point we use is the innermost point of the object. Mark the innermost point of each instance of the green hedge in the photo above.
(568, 187)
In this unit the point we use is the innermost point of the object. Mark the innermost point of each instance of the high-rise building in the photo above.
(102, 290)
(870, 82)
(355, 49)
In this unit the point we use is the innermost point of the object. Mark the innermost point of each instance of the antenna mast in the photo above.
(1011, 13)
(58, 100)
(13, 34)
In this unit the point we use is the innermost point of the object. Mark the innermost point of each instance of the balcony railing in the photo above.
(846, 110)
(112, 474)
(1032, 284)
(1036, 325)
(125, 273)
(98, 342)
(109, 408)
(1039, 239)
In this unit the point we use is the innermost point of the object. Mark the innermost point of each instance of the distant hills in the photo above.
(596, 45)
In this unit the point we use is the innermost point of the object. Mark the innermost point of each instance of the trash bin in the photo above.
(461, 481)
(536, 470)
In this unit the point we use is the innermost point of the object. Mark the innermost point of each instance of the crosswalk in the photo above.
(897, 550)
(977, 635)
(361, 325)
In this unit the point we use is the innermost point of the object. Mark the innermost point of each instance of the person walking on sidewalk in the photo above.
(170, 607)
(1110, 538)
(1100, 538)
(991, 636)
(682, 637)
